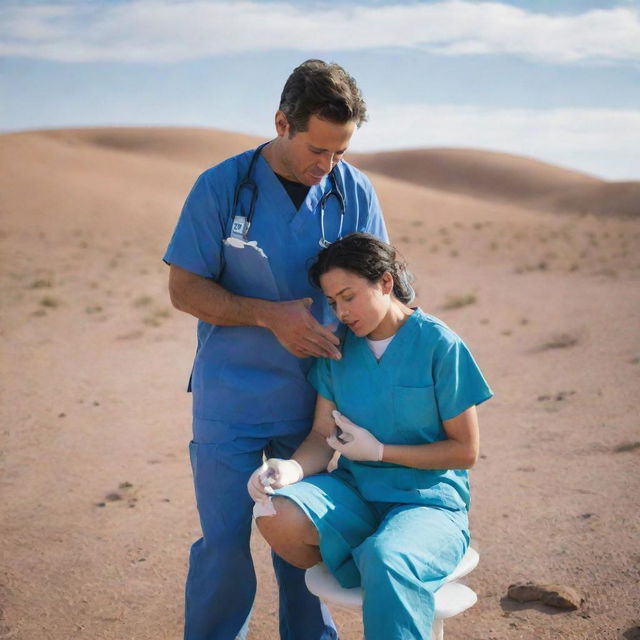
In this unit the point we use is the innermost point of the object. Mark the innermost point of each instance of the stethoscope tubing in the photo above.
(249, 183)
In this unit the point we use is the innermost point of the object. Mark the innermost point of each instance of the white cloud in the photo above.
(604, 142)
(170, 30)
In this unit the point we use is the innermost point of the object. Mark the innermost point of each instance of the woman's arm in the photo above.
(458, 451)
(314, 454)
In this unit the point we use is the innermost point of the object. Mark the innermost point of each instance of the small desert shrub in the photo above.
(41, 284)
(142, 301)
(50, 302)
(455, 302)
(560, 341)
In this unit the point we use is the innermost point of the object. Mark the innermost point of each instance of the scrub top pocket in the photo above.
(247, 271)
(416, 416)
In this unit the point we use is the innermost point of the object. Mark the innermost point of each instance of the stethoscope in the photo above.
(242, 223)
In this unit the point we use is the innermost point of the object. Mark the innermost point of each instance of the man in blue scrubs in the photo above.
(238, 262)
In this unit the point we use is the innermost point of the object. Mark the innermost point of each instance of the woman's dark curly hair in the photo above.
(368, 257)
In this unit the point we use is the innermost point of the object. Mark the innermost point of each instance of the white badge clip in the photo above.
(240, 228)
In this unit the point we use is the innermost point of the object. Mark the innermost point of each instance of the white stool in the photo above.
(451, 598)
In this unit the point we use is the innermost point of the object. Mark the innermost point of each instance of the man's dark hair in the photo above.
(322, 89)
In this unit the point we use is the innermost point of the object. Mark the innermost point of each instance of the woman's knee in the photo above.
(290, 521)
(290, 533)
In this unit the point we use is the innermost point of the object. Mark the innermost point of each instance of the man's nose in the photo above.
(326, 162)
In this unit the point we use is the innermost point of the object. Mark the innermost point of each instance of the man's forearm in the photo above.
(210, 302)
(290, 320)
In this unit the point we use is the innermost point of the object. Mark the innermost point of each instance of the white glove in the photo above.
(273, 474)
(353, 441)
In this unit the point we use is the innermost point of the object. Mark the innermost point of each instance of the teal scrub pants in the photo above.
(399, 553)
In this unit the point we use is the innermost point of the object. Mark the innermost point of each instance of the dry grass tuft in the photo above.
(42, 283)
(50, 302)
(560, 341)
(455, 302)
(94, 308)
(157, 317)
(142, 301)
(627, 446)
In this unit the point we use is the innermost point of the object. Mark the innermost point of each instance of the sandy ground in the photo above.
(98, 512)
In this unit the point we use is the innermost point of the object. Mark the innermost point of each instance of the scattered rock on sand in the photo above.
(524, 592)
(554, 595)
(562, 597)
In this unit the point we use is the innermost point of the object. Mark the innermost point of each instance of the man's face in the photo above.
(310, 155)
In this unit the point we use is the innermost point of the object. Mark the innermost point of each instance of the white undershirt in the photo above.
(378, 347)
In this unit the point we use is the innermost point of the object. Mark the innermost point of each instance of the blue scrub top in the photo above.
(426, 375)
(243, 374)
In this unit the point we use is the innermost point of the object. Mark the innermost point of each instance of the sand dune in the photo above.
(63, 176)
(194, 146)
(602, 198)
(505, 177)
(98, 511)
(480, 174)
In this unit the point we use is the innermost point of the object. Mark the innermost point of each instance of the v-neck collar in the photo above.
(275, 191)
(393, 352)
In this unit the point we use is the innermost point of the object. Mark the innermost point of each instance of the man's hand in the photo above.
(353, 441)
(290, 322)
(275, 473)
(299, 332)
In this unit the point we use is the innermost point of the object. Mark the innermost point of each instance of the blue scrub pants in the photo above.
(399, 553)
(221, 582)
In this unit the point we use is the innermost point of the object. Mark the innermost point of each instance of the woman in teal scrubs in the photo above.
(400, 408)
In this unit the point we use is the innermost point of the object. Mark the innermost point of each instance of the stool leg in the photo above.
(437, 630)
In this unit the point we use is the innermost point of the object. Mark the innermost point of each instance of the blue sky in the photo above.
(556, 80)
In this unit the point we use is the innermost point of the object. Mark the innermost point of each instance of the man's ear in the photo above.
(282, 124)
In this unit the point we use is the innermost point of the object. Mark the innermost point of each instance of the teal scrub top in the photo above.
(426, 375)
(243, 374)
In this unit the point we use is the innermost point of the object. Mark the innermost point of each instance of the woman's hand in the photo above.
(353, 441)
(275, 473)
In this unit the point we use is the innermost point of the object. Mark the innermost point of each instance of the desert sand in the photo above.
(537, 267)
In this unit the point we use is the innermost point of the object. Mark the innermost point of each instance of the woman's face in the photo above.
(361, 305)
